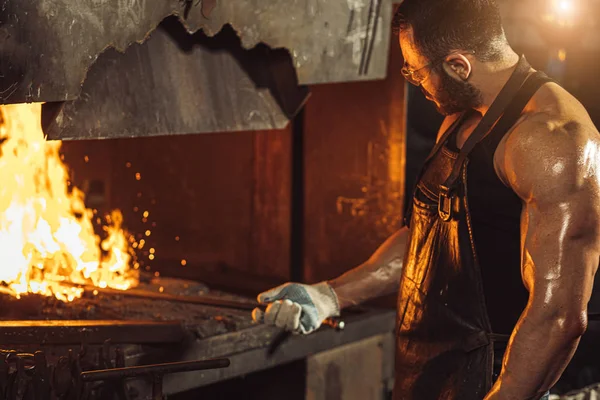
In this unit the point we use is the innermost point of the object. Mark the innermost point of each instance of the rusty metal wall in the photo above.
(47, 46)
(355, 152)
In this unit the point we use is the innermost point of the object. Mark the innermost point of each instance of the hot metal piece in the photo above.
(74, 332)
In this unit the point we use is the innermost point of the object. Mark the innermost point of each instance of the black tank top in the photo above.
(496, 218)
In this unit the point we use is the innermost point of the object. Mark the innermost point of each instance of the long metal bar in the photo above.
(91, 332)
(158, 369)
(206, 300)
(212, 301)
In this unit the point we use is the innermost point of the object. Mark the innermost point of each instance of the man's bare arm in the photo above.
(302, 308)
(378, 276)
(554, 168)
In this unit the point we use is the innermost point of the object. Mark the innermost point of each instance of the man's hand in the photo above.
(298, 308)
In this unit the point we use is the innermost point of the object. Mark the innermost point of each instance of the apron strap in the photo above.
(513, 113)
(502, 102)
(447, 134)
(432, 153)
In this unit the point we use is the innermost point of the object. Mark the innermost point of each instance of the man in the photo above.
(496, 264)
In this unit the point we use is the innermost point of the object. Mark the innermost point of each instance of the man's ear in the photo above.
(458, 66)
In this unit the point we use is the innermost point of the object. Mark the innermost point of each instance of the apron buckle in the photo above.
(445, 203)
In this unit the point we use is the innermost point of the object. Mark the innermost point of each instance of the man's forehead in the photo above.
(412, 55)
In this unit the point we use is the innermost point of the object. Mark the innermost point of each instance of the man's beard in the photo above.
(456, 96)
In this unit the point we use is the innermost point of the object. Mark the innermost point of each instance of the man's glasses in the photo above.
(418, 76)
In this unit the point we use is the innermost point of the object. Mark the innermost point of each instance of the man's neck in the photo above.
(492, 77)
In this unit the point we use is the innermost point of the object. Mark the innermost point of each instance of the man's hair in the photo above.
(441, 26)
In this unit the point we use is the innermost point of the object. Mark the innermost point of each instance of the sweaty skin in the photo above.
(378, 276)
(551, 160)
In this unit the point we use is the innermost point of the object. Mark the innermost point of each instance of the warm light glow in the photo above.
(146, 213)
(562, 54)
(47, 239)
(563, 13)
(138, 176)
(183, 262)
(565, 5)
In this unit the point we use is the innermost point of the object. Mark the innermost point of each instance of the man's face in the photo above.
(447, 91)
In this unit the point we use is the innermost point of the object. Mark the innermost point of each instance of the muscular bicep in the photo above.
(560, 251)
(555, 172)
(557, 178)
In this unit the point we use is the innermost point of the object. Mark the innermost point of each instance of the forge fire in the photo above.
(48, 242)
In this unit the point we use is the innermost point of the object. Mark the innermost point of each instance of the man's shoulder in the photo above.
(550, 135)
(554, 124)
(549, 149)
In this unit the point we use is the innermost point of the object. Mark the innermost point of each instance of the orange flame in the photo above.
(47, 240)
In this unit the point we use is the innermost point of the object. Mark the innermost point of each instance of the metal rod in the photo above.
(212, 301)
(157, 369)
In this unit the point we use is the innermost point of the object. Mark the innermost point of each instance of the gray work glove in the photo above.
(588, 393)
(298, 308)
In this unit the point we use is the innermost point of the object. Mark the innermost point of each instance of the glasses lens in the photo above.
(409, 76)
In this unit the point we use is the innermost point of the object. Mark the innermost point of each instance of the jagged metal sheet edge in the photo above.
(155, 89)
(54, 42)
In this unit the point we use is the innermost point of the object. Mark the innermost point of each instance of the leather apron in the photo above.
(444, 337)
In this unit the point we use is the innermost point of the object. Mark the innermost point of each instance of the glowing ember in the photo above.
(47, 240)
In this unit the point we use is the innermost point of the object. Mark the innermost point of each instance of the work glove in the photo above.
(588, 393)
(296, 307)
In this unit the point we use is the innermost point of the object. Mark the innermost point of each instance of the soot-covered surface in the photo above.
(202, 321)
